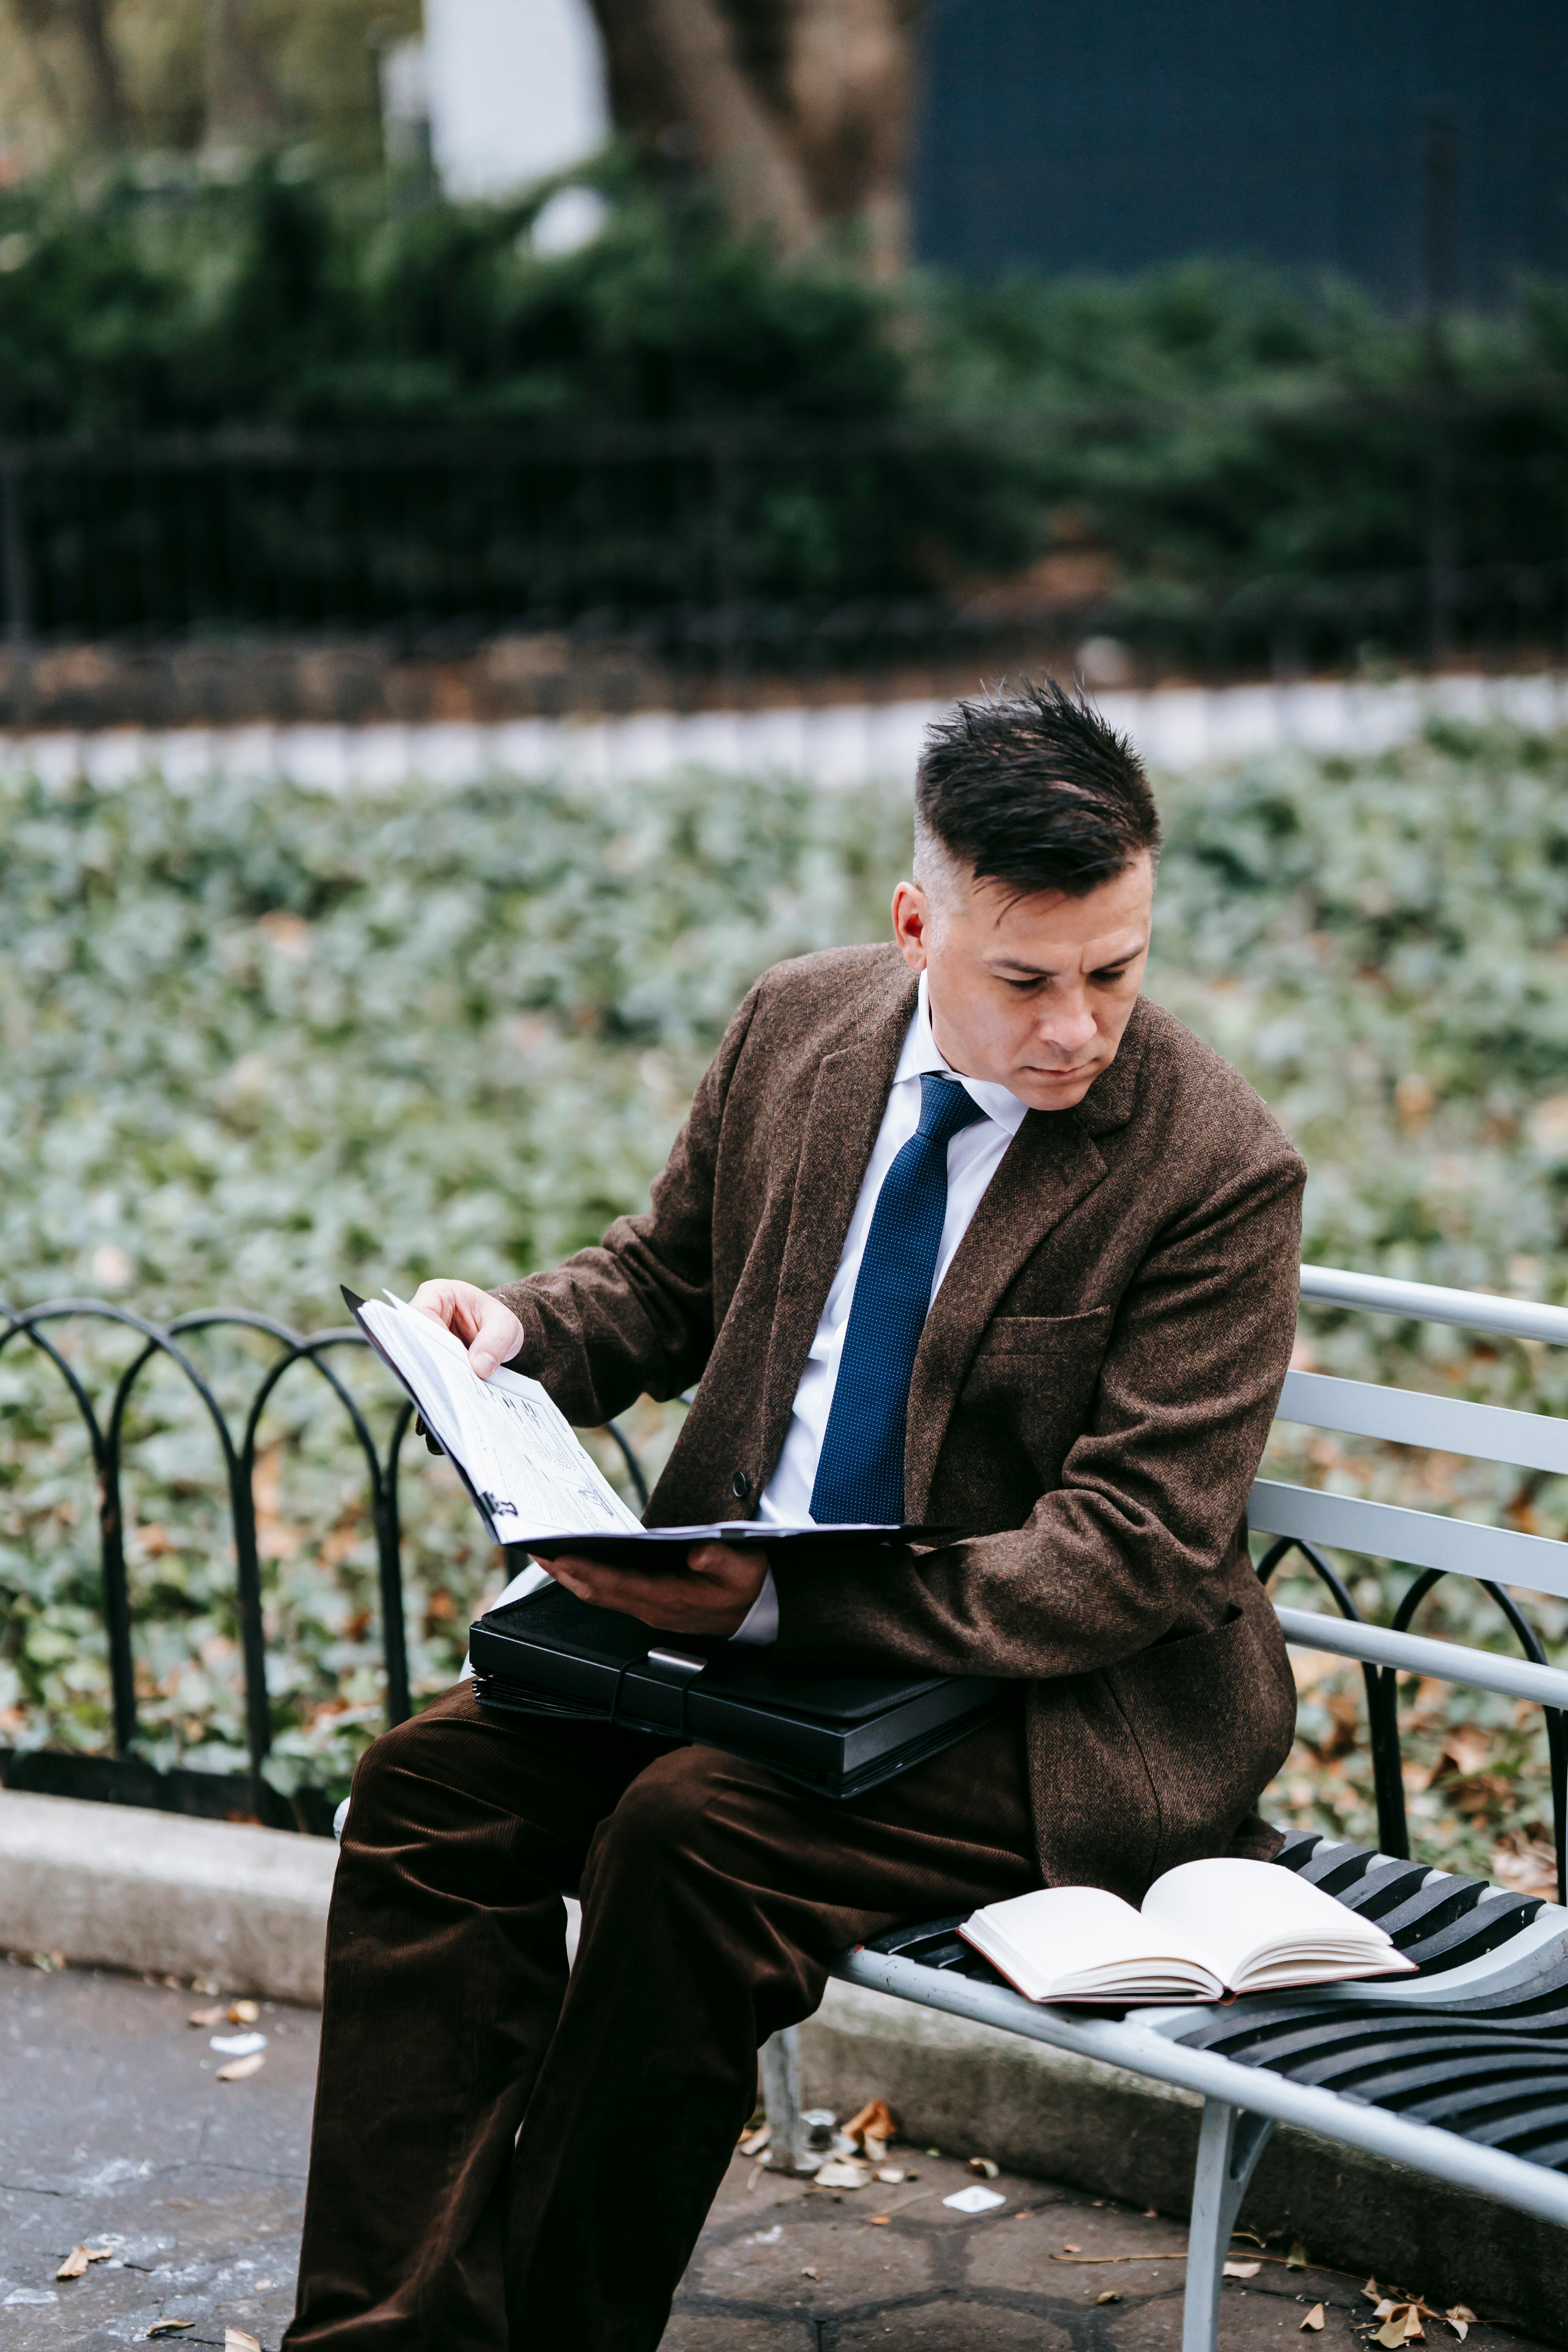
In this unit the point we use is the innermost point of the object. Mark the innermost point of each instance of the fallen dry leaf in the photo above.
(1315, 2318)
(240, 2070)
(984, 2167)
(1241, 2270)
(1402, 2325)
(235, 2339)
(1109, 2295)
(170, 2326)
(244, 2012)
(74, 2264)
(754, 2142)
(875, 2119)
(810, 2274)
(1373, 2292)
(208, 2017)
(892, 2174)
(101, 2253)
(1461, 2319)
(877, 2220)
(1069, 2248)
(1296, 2259)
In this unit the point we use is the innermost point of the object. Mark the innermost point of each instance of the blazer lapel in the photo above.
(1051, 1164)
(847, 1107)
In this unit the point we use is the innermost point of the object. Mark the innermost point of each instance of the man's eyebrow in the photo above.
(1051, 972)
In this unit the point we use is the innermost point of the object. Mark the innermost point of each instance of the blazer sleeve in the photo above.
(1152, 1494)
(634, 1316)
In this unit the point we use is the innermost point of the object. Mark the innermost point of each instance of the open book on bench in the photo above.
(531, 1483)
(1207, 1929)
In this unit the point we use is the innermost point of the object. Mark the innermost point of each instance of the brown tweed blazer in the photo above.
(1092, 1391)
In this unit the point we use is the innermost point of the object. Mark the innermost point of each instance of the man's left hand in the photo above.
(712, 1594)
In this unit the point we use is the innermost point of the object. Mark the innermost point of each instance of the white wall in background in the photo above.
(517, 89)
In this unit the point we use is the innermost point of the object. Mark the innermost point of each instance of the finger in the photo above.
(498, 1338)
(727, 1563)
(628, 1588)
(436, 1300)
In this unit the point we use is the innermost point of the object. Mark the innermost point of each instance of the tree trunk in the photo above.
(242, 109)
(76, 67)
(797, 110)
(102, 88)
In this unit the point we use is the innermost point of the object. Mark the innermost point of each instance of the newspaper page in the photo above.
(522, 1456)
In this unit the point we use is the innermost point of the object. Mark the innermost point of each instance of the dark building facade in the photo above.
(1391, 141)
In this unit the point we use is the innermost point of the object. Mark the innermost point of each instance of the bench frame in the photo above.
(1242, 2104)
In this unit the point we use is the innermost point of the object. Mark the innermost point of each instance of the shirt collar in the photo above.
(920, 1053)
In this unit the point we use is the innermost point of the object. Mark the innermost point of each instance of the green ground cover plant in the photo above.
(258, 1041)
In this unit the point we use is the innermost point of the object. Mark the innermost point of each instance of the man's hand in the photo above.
(492, 1332)
(712, 1594)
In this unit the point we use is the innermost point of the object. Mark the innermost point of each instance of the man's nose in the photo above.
(1070, 1025)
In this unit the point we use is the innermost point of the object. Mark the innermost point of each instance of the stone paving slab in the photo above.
(113, 2127)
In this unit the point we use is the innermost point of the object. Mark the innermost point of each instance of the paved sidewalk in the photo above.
(113, 2127)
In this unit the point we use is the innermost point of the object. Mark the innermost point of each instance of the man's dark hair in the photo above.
(1033, 790)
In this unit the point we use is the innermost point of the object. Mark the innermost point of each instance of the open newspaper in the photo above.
(533, 1485)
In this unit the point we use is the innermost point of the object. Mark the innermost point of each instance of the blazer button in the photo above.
(739, 1485)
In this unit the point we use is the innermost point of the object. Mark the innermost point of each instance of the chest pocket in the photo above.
(1036, 1375)
(1066, 1337)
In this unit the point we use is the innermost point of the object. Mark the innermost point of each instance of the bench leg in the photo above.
(779, 2060)
(1229, 2146)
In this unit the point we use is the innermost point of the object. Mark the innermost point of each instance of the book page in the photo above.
(1075, 1942)
(522, 1456)
(1254, 1923)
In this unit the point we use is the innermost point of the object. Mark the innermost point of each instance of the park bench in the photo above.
(1460, 2072)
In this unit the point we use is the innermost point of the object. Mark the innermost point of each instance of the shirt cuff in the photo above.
(761, 1623)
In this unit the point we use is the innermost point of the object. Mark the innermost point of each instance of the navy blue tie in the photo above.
(860, 1471)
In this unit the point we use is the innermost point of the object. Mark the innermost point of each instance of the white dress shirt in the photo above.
(973, 1155)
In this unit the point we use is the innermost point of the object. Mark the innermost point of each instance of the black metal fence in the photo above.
(124, 1776)
(797, 549)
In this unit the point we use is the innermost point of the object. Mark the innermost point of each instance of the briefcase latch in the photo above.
(680, 1662)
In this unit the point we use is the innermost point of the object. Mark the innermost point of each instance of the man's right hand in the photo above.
(493, 1334)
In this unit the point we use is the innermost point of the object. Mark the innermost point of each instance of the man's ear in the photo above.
(912, 924)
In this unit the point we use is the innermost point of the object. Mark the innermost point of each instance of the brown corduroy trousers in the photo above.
(506, 2159)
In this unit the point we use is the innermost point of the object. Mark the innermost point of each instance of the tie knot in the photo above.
(945, 1106)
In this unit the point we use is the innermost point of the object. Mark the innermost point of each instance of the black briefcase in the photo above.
(549, 1653)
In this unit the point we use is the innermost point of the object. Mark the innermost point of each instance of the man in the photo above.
(961, 1230)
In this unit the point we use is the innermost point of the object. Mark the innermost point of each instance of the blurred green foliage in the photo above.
(260, 1041)
(1205, 421)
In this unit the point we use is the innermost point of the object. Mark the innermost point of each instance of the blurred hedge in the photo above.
(1205, 420)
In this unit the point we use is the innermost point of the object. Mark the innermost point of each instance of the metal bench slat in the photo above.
(1384, 1886)
(1345, 1637)
(1480, 2113)
(1333, 1872)
(1417, 1539)
(1431, 1302)
(1485, 1927)
(1486, 1433)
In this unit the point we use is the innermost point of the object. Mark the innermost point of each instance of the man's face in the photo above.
(1033, 995)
